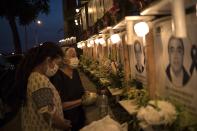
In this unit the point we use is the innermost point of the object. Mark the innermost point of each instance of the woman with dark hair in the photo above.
(41, 104)
(68, 83)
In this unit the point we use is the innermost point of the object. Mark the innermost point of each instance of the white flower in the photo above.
(141, 113)
(169, 111)
(150, 115)
(157, 112)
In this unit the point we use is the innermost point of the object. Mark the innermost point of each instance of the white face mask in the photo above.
(50, 72)
(74, 62)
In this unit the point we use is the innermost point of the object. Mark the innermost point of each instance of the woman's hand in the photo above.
(61, 123)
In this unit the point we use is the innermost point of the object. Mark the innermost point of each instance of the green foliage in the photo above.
(140, 95)
(142, 98)
(185, 120)
(97, 72)
(132, 83)
(85, 61)
(117, 79)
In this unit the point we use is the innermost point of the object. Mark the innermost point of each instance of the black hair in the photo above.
(64, 49)
(177, 39)
(34, 57)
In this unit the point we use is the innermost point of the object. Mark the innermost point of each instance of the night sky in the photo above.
(50, 30)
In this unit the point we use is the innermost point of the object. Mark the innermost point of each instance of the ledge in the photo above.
(130, 106)
(163, 7)
(115, 91)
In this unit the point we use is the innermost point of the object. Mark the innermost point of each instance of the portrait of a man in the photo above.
(175, 70)
(139, 56)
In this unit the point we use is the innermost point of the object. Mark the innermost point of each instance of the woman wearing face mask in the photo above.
(68, 82)
(41, 104)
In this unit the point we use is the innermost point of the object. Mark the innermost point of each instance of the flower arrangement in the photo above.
(157, 112)
(84, 61)
(98, 71)
(141, 96)
(116, 75)
(185, 121)
(104, 82)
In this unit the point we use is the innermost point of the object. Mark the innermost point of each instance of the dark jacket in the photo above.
(185, 75)
(69, 90)
(138, 69)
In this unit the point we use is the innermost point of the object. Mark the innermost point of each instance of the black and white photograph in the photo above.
(139, 55)
(175, 59)
(176, 71)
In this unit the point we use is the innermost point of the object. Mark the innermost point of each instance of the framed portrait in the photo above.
(174, 62)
